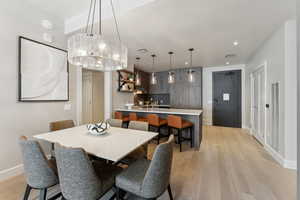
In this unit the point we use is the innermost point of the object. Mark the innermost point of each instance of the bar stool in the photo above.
(133, 117)
(125, 119)
(176, 122)
(157, 122)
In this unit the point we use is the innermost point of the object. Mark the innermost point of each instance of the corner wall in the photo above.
(17, 118)
(279, 54)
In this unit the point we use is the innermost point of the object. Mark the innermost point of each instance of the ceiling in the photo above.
(209, 26)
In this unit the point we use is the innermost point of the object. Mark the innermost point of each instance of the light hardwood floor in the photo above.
(230, 165)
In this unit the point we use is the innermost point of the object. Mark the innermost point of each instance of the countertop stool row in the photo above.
(173, 123)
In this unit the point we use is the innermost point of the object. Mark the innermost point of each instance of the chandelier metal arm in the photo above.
(89, 16)
(115, 18)
(100, 17)
(93, 19)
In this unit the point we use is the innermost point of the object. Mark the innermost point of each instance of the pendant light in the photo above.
(153, 80)
(89, 49)
(137, 75)
(171, 76)
(191, 77)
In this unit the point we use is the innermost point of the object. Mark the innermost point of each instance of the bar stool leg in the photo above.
(192, 136)
(179, 139)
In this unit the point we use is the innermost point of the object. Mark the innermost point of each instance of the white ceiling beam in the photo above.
(121, 6)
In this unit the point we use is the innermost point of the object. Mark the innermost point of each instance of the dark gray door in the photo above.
(227, 95)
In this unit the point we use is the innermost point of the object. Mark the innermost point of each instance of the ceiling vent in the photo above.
(230, 56)
(142, 50)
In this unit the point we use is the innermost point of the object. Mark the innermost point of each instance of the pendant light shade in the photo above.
(191, 77)
(171, 75)
(137, 75)
(89, 49)
(153, 80)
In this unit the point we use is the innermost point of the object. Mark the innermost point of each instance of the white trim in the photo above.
(274, 154)
(207, 71)
(259, 67)
(290, 164)
(11, 172)
(79, 95)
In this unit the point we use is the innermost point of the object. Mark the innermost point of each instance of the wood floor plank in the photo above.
(230, 165)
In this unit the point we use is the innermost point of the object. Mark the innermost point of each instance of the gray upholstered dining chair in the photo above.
(147, 179)
(137, 125)
(141, 152)
(115, 122)
(81, 179)
(40, 172)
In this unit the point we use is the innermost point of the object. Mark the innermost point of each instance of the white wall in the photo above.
(279, 53)
(207, 91)
(17, 118)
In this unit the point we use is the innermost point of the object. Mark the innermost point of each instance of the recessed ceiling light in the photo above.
(47, 24)
(227, 63)
(235, 43)
(186, 63)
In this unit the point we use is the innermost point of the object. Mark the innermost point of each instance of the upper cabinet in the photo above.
(183, 94)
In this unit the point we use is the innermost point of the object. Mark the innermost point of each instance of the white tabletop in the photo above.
(162, 110)
(114, 145)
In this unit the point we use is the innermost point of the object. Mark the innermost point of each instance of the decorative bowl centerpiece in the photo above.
(98, 129)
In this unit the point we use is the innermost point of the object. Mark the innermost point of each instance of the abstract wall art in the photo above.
(43, 72)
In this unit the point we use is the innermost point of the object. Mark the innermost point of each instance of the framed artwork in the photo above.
(43, 72)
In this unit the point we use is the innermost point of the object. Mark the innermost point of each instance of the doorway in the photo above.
(258, 103)
(227, 99)
(92, 96)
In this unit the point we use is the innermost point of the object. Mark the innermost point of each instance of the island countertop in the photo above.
(162, 110)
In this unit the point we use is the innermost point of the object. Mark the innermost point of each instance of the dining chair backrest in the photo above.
(174, 121)
(60, 125)
(115, 122)
(141, 126)
(157, 177)
(78, 180)
(153, 119)
(38, 170)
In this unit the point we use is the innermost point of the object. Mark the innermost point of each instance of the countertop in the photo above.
(162, 110)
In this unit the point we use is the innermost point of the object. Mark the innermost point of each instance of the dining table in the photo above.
(114, 145)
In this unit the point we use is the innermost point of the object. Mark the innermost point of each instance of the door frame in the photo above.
(241, 95)
(259, 67)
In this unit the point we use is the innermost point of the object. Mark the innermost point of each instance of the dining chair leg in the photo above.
(170, 192)
(27, 192)
(43, 194)
(118, 193)
(158, 137)
(55, 196)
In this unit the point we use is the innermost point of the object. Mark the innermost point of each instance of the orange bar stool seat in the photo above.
(125, 119)
(133, 117)
(157, 122)
(176, 122)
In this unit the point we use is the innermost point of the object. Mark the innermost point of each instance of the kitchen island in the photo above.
(194, 116)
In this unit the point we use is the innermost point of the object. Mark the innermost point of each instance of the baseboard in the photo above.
(274, 154)
(11, 172)
(290, 164)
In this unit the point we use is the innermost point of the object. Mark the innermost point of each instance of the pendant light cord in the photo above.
(93, 19)
(100, 17)
(116, 22)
